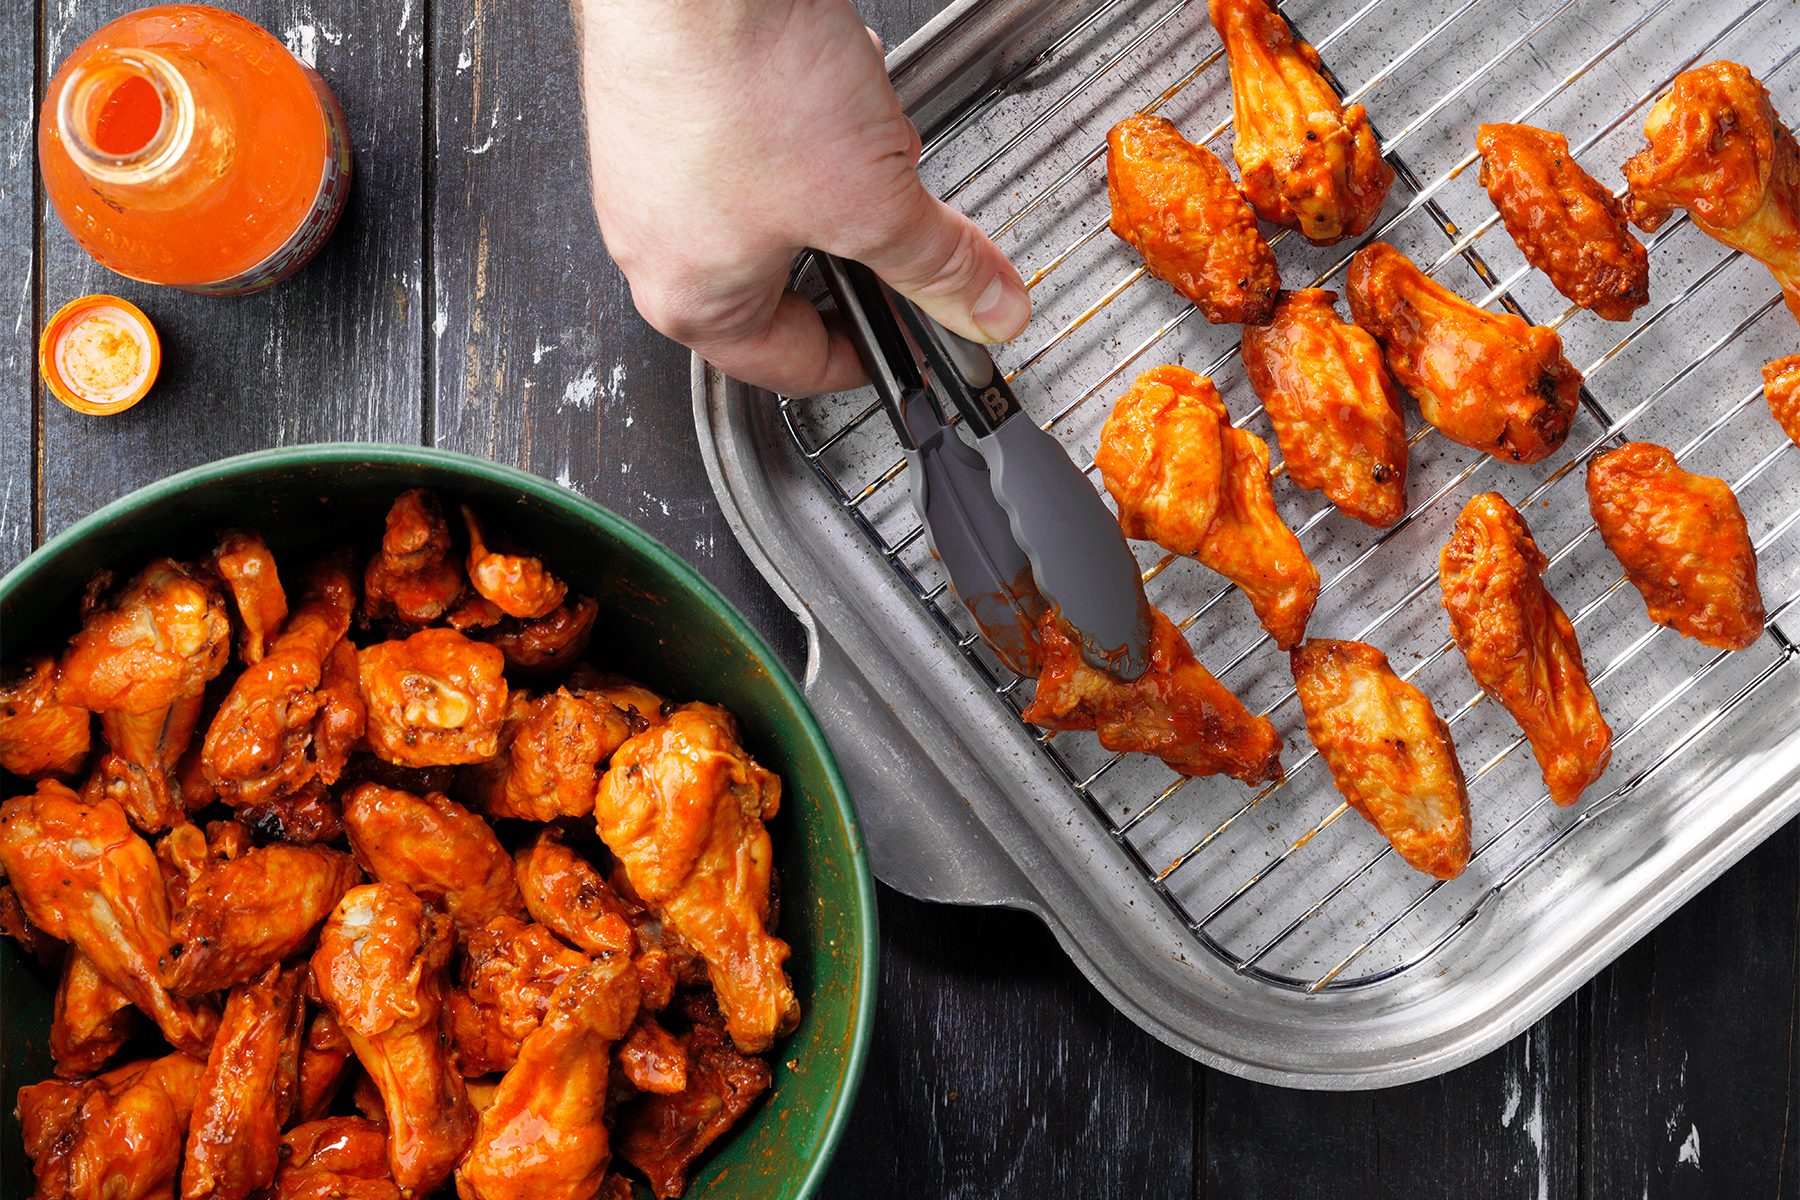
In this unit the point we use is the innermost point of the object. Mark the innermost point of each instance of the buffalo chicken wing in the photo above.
(509, 969)
(1565, 223)
(516, 584)
(1781, 387)
(564, 892)
(413, 579)
(247, 1092)
(40, 734)
(336, 1158)
(1718, 150)
(1389, 754)
(1171, 457)
(92, 1019)
(1520, 645)
(434, 699)
(436, 847)
(1683, 543)
(116, 1137)
(1307, 161)
(244, 561)
(1176, 205)
(1486, 380)
(551, 751)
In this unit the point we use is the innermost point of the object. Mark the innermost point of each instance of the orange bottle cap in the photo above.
(99, 354)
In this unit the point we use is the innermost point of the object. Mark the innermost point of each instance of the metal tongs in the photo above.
(1015, 522)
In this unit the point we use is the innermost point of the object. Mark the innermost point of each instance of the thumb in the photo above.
(941, 261)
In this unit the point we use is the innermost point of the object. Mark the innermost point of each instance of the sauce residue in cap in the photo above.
(99, 354)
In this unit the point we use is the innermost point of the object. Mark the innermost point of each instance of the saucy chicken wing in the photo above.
(413, 579)
(1487, 380)
(323, 1056)
(142, 662)
(662, 1135)
(40, 734)
(435, 699)
(1175, 203)
(244, 561)
(1171, 458)
(261, 743)
(1520, 645)
(564, 892)
(247, 1092)
(1683, 543)
(551, 748)
(380, 969)
(85, 876)
(1718, 149)
(1335, 408)
(1781, 386)
(682, 808)
(544, 1137)
(1175, 710)
(336, 1158)
(1389, 754)
(92, 1019)
(652, 1059)
(436, 847)
(550, 643)
(117, 1136)
(1307, 161)
(517, 584)
(242, 916)
(1565, 224)
(509, 969)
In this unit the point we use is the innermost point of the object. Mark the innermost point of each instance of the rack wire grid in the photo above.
(1274, 881)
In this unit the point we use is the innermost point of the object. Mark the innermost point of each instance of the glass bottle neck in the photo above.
(127, 117)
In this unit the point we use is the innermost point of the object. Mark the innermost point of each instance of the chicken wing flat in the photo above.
(380, 969)
(246, 564)
(550, 643)
(323, 1056)
(413, 579)
(92, 1019)
(1307, 161)
(85, 876)
(1487, 380)
(1781, 386)
(1175, 710)
(337, 1158)
(1169, 455)
(142, 662)
(1683, 542)
(1175, 203)
(117, 1136)
(652, 1059)
(1389, 754)
(509, 970)
(242, 916)
(662, 1135)
(435, 846)
(544, 1137)
(1520, 645)
(435, 699)
(261, 742)
(247, 1092)
(1718, 149)
(1335, 408)
(39, 734)
(517, 584)
(1565, 223)
(682, 808)
(551, 750)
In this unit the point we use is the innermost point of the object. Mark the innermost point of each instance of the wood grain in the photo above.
(18, 293)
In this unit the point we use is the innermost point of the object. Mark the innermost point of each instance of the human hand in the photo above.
(728, 135)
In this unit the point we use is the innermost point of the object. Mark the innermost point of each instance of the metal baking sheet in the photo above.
(1266, 931)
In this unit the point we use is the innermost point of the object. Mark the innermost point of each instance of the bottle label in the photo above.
(320, 220)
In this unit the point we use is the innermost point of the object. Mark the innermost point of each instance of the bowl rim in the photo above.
(638, 541)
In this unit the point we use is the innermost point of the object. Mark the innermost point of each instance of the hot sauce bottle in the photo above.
(183, 145)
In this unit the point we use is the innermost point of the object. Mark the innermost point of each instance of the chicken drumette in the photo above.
(436, 847)
(85, 876)
(1520, 645)
(1565, 223)
(244, 561)
(682, 808)
(1333, 404)
(247, 1092)
(142, 662)
(116, 1137)
(1683, 543)
(1307, 161)
(1781, 387)
(517, 584)
(39, 734)
(414, 578)
(1175, 203)
(1718, 149)
(1184, 478)
(434, 699)
(1175, 710)
(380, 969)
(1487, 380)
(1389, 754)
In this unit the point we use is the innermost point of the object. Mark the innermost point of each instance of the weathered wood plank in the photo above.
(18, 256)
(333, 353)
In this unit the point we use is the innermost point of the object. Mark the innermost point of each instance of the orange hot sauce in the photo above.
(184, 145)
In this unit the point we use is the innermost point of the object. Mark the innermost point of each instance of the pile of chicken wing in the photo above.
(1185, 477)
(369, 887)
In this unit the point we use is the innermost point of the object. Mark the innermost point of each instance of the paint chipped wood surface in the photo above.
(467, 301)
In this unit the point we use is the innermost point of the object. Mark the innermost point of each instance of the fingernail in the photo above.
(1003, 310)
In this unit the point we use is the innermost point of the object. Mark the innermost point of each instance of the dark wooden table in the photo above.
(467, 302)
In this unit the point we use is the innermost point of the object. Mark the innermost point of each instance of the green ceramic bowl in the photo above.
(659, 622)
